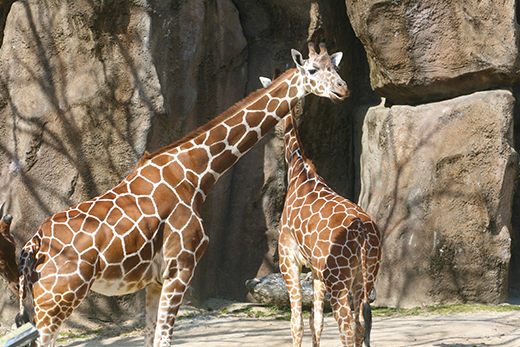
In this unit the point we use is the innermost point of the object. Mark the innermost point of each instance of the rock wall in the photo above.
(87, 86)
(420, 51)
(438, 178)
(79, 92)
(514, 264)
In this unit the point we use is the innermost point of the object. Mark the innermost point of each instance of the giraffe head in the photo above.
(320, 73)
(8, 267)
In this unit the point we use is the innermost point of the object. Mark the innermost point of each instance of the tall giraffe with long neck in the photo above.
(334, 238)
(147, 232)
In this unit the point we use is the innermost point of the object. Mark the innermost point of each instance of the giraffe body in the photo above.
(332, 243)
(336, 239)
(147, 232)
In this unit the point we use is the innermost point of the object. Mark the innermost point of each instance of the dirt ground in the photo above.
(234, 325)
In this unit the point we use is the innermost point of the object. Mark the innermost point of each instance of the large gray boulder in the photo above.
(439, 180)
(421, 51)
(272, 291)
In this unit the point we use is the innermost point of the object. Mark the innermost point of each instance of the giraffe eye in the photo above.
(312, 71)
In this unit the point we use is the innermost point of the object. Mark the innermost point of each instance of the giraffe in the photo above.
(334, 238)
(147, 232)
(8, 266)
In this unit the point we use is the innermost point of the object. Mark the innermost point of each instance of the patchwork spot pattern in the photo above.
(147, 232)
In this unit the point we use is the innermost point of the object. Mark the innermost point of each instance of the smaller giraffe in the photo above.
(334, 238)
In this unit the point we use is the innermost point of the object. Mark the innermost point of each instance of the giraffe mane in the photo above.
(219, 119)
(309, 162)
(306, 160)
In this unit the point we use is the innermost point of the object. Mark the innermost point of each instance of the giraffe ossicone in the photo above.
(147, 232)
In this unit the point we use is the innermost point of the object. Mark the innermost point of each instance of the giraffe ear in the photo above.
(298, 59)
(336, 58)
(265, 81)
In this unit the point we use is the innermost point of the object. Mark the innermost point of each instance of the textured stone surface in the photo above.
(439, 180)
(514, 266)
(79, 92)
(87, 86)
(76, 109)
(430, 50)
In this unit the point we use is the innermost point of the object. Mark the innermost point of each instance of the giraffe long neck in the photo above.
(205, 155)
(292, 144)
(297, 162)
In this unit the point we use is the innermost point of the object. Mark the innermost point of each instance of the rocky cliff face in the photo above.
(439, 181)
(87, 86)
(421, 51)
(439, 178)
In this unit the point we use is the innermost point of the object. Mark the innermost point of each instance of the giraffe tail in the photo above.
(367, 316)
(365, 309)
(27, 264)
(22, 317)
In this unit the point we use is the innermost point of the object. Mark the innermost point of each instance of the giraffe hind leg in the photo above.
(54, 302)
(48, 321)
(340, 302)
(316, 319)
(366, 311)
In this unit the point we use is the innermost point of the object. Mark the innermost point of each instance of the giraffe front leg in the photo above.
(291, 274)
(316, 320)
(153, 296)
(173, 291)
(182, 250)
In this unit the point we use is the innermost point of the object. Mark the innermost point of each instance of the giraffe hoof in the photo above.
(22, 318)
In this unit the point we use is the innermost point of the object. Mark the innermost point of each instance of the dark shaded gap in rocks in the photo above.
(514, 265)
(517, 10)
(5, 7)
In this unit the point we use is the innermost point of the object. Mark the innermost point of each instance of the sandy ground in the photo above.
(238, 328)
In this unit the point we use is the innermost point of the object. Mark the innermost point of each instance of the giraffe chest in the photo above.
(302, 257)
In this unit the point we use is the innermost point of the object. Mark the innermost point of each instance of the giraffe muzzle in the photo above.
(339, 91)
(339, 95)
